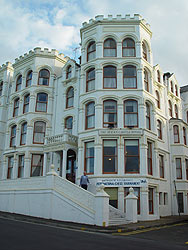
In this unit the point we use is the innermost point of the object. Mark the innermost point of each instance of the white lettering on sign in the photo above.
(122, 182)
(120, 132)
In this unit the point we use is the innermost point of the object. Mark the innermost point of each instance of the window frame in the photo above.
(69, 72)
(19, 83)
(161, 166)
(178, 168)
(29, 78)
(16, 108)
(130, 77)
(158, 76)
(115, 156)
(133, 156)
(144, 51)
(41, 102)
(148, 117)
(71, 97)
(128, 48)
(151, 200)
(23, 133)
(159, 129)
(130, 112)
(105, 47)
(92, 51)
(1, 88)
(66, 119)
(108, 66)
(48, 78)
(12, 136)
(186, 168)
(9, 173)
(42, 156)
(146, 80)
(171, 87)
(110, 124)
(20, 166)
(176, 90)
(170, 111)
(149, 158)
(184, 136)
(34, 131)
(85, 157)
(87, 81)
(158, 99)
(176, 111)
(87, 116)
(26, 104)
(176, 133)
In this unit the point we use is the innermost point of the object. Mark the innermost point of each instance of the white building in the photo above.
(116, 116)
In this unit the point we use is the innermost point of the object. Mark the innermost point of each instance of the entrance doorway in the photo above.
(71, 165)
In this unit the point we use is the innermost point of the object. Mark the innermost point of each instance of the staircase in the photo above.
(116, 217)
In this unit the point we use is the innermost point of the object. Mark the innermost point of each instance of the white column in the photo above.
(98, 160)
(64, 164)
(119, 49)
(5, 168)
(98, 113)
(131, 206)
(27, 165)
(143, 159)
(121, 199)
(15, 167)
(142, 116)
(99, 49)
(119, 79)
(144, 203)
(140, 81)
(120, 116)
(121, 168)
(45, 164)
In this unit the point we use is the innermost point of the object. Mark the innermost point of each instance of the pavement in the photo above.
(169, 220)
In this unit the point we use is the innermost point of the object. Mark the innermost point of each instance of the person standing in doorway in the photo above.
(84, 180)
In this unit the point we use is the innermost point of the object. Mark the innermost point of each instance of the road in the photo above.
(17, 235)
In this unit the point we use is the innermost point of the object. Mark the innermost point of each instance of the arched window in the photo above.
(44, 77)
(170, 108)
(90, 80)
(176, 134)
(70, 98)
(129, 77)
(39, 132)
(131, 113)
(29, 78)
(148, 117)
(176, 89)
(176, 111)
(26, 103)
(158, 76)
(158, 99)
(146, 81)
(19, 83)
(172, 86)
(128, 47)
(90, 115)
(23, 133)
(68, 124)
(159, 129)
(110, 114)
(16, 107)
(69, 72)
(144, 51)
(109, 77)
(91, 51)
(42, 101)
(109, 48)
(184, 136)
(1, 88)
(13, 136)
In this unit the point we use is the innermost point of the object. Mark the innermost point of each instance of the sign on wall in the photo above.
(122, 182)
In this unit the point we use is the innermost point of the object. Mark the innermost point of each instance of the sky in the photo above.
(55, 24)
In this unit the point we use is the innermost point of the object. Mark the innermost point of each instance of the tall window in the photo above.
(44, 77)
(148, 117)
(110, 114)
(21, 166)
(129, 77)
(29, 78)
(180, 202)
(70, 98)
(26, 103)
(90, 80)
(184, 136)
(150, 200)
(176, 111)
(109, 77)
(132, 156)
(91, 51)
(90, 115)
(178, 168)
(158, 99)
(13, 136)
(69, 72)
(186, 168)
(158, 76)
(146, 81)
(149, 158)
(89, 157)
(131, 113)
(68, 124)
(187, 116)
(176, 134)
(39, 132)
(109, 48)
(36, 165)
(144, 51)
(161, 166)
(172, 87)
(16, 107)
(23, 133)
(170, 108)
(129, 47)
(136, 193)
(10, 167)
(42, 101)
(176, 89)
(109, 156)
(1, 88)
(19, 83)
(159, 129)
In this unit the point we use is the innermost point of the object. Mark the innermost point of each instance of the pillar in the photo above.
(144, 204)
(131, 206)
(45, 164)
(121, 199)
(64, 164)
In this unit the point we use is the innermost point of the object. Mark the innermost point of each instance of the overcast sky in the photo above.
(25, 24)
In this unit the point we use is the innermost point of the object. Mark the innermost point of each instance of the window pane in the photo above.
(110, 156)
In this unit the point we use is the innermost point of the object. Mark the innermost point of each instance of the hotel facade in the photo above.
(115, 115)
